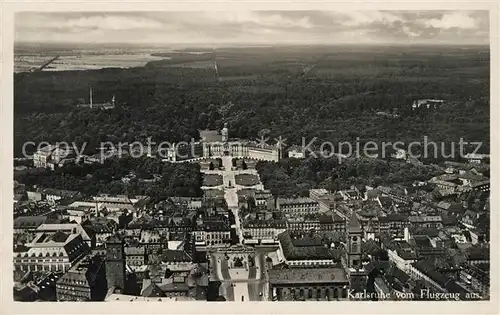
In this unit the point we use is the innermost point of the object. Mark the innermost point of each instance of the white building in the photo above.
(317, 194)
(476, 158)
(214, 144)
(212, 238)
(399, 154)
(263, 197)
(296, 152)
(264, 229)
(51, 252)
(54, 195)
(212, 232)
(401, 254)
(52, 156)
(427, 104)
(297, 206)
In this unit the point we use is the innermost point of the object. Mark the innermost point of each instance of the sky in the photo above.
(255, 27)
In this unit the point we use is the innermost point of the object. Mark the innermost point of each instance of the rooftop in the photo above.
(425, 218)
(478, 253)
(319, 191)
(112, 199)
(60, 192)
(307, 275)
(476, 156)
(67, 227)
(134, 250)
(264, 223)
(84, 272)
(170, 255)
(480, 183)
(393, 218)
(295, 249)
(30, 221)
(354, 225)
(293, 201)
(427, 268)
(57, 237)
(174, 287)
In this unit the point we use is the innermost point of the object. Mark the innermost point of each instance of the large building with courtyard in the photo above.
(215, 143)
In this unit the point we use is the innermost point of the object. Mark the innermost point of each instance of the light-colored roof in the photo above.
(64, 227)
(476, 156)
(112, 199)
(58, 239)
(320, 191)
(426, 218)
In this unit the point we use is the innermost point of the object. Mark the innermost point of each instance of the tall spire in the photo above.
(90, 96)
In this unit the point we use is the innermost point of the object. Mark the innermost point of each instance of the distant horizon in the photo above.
(256, 28)
(237, 45)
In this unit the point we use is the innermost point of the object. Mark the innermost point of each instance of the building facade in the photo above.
(57, 251)
(135, 256)
(297, 206)
(115, 263)
(214, 144)
(86, 281)
(308, 284)
(263, 229)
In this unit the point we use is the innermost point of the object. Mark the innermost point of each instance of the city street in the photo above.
(238, 284)
(230, 193)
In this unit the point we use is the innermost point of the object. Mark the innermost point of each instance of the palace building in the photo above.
(215, 144)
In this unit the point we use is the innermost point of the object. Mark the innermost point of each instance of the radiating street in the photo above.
(238, 282)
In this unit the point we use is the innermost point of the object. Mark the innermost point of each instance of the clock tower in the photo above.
(354, 255)
(354, 234)
(115, 262)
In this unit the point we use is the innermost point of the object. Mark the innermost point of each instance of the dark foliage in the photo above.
(293, 177)
(265, 88)
(176, 179)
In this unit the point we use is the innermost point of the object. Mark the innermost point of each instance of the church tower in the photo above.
(354, 255)
(354, 236)
(115, 262)
(225, 133)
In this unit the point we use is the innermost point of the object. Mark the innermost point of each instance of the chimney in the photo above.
(90, 97)
(113, 100)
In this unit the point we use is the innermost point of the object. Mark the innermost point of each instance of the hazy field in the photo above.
(86, 58)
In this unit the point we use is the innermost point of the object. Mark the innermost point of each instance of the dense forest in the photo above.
(331, 93)
(153, 178)
(294, 177)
